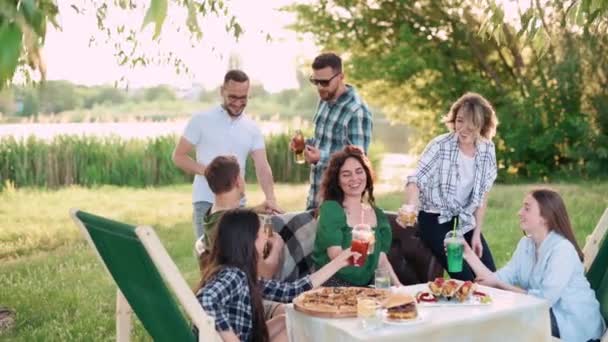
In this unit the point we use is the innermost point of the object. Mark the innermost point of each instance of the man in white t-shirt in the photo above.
(224, 130)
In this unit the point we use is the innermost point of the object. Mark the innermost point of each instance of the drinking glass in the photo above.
(367, 312)
(267, 219)
(382, 279)
(362, 236)
(298, 147)
(407, 215)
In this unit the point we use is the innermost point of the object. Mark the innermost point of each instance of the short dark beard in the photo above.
(231, 114)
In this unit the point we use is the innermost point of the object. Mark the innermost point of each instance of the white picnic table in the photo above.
(510, 317)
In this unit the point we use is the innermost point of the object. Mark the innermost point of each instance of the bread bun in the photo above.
(401, 306)
(397, 299)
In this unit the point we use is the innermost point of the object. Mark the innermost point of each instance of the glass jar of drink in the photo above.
(407, 215)
(298, 147)
(268, 231)
(363, 235)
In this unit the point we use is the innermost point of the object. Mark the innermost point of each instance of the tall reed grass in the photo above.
(88, 161)
(94, 160)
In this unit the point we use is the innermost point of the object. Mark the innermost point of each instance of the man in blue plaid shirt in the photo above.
(342, 118)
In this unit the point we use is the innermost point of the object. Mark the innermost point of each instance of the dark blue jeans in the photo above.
(432, 234)
(554, 327)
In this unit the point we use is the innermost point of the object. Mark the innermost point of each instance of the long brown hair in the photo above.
(234, 246)
(330, 185)
(553, 210)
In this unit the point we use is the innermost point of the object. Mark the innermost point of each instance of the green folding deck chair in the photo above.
(148, 281)
(596, 264)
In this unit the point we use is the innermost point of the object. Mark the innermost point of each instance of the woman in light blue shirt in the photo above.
(548, 264)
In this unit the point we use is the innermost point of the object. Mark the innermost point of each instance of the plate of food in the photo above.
(452, 292)
(334, 302)
(401, 308)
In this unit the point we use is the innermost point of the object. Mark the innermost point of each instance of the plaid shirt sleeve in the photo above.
(492, 170)
(360, 128)
(284, 292)
(215, 296)
(426, 165)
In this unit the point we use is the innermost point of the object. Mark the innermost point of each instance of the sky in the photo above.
(69, 56)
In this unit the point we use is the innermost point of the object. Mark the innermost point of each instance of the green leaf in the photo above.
(10, 40)
(33, 16)
(525, 18)
(596, 5)
(192, 20)
(156, 14)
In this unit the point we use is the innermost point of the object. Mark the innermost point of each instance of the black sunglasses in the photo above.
(322, 83)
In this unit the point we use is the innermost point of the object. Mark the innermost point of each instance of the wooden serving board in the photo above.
(312, 311)
(309, 311)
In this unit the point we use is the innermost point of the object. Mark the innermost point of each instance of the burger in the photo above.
(401, 306)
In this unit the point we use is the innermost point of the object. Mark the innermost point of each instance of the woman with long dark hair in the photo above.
(347, 193)
(547, 263)
(230, 290)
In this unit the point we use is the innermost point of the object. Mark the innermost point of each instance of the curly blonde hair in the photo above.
(476, 111)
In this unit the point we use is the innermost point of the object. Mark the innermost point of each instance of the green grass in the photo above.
(61, 292)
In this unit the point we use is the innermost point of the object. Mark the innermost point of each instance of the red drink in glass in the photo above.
(360, 247)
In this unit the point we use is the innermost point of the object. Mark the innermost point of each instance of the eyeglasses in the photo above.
(322, 83)
(234, 98)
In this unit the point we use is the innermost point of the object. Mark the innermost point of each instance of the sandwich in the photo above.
(436, 286)
(400, 306)
(465, 290)
(449, 289)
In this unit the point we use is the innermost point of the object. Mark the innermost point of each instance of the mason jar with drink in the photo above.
(298, 145)
(407, 215)
(362, 242)
(268, 231)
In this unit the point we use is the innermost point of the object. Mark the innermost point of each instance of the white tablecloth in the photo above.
(510, 317)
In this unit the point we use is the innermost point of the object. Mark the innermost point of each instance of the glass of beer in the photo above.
(407, 215)
(367, 312)
(298, 147)
(362, 236)
(268, 231)
(454, 246)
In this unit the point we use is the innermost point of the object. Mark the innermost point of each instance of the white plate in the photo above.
(472, 301)
(419, 319)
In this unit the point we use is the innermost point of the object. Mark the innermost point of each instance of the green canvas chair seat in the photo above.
(148, 281)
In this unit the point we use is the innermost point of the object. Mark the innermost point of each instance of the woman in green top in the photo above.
(348, 200)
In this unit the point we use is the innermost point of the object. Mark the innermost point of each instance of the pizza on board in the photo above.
(336, 301)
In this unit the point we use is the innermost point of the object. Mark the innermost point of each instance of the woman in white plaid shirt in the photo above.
(230, 290)
(453, 177)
